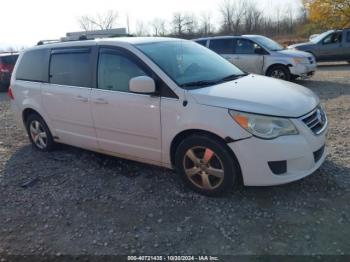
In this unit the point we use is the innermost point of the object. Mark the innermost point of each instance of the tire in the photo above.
(206, 165)
(39, 133)
(279, 72)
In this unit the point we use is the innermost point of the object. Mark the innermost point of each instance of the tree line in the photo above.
(234, 17)
(238, 17)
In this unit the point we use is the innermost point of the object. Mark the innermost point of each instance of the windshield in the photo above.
(190, 64)
(268, 43)
(318, 38)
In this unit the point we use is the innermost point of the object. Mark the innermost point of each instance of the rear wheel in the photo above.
(206, 165)
(39, 133)
(279, 72)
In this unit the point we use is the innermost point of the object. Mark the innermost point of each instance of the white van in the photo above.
(171, 103)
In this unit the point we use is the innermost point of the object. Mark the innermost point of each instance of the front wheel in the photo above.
(279, 72)
(206, 165)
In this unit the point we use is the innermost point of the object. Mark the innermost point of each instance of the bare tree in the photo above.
(252, 17)
(159, 27)
(206, 26)
(232, 12)
(99, 21)
(141, 29)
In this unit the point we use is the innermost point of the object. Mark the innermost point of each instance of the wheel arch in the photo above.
(277, 64)
(27, 112)
(190, 132)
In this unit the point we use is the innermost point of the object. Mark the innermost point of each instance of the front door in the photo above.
(246, 57)
(329, 48)
(126, 123)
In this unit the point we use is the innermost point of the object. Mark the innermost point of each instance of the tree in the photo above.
(100, 21)
(232, 12)
(329, 13)
(183, 23)
(141, 29)
(159, 27)
(206, 26)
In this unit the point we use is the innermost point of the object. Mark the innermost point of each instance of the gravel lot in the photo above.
(73, 201)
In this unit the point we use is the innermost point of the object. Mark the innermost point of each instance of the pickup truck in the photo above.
(332, 46)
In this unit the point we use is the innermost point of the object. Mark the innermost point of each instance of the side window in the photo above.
(333, 38)
(348, 37)
(33, 66)
(222, 46)
(115, 71)
(245, 46)
(71, 68)
(202, 42)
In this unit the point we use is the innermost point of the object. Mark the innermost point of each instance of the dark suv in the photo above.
(333, 45)
(7, 63)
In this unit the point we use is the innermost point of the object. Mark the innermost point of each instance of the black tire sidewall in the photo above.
(280, 67)
(50, 141)
(230, 165)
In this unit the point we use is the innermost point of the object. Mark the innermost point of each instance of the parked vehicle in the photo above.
(261, 55)
(7, 63)
(171, 103)
(333, 45)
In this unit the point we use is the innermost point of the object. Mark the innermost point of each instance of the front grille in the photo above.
(318, 154)
(316, 120)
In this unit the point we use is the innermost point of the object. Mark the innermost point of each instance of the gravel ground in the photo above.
(73, 201)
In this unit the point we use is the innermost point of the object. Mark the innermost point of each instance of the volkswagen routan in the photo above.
(171, 103)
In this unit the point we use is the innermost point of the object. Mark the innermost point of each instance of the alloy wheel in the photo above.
(278, 73)
(203, 168)
(38, 134)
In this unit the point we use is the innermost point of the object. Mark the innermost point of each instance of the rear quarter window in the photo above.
(9, 60)
(33, 66)
(202, 42)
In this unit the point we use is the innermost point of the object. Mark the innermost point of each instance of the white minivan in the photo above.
(171, 103)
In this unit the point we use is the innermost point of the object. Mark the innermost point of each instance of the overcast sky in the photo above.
(25, 22)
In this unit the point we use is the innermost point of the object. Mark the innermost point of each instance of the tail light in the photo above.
(10, 93)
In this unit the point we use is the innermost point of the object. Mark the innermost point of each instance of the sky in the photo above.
(28, 21)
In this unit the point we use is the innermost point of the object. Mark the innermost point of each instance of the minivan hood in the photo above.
(259, 94)
(294, 53)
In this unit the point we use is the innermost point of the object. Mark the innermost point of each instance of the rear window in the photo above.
(9, 60)
(72, 69)
(33, 66)
(222, 46)
(202, 42)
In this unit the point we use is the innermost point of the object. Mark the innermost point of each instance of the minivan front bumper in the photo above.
(303, 70)
(281, 160)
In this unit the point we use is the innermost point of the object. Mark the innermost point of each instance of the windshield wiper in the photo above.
(213, 82)
(230, 78)
(199, 83)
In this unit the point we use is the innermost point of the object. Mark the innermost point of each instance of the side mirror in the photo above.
(142, 85)
(260, 51)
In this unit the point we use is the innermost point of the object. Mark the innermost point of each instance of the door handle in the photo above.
(101, 101)
(81, 99)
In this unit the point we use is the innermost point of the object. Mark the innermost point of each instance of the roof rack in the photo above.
(89, 35)
(44, 42)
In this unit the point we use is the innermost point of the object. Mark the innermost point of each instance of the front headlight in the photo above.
(265, 127)
(299, 60)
